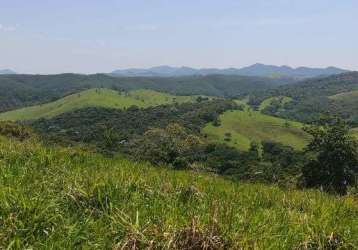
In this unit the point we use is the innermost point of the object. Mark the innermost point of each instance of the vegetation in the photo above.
(278, 102)
(19, 91)
(352, 95)
(334, 163)
(240, 128)
(58, 198)
(105, 168)
(90, 125)
(12, 130)
(355, 132)
(169, 146)
(313, 98)
(171, 135)
(95, 98)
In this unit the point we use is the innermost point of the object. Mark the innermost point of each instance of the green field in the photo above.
(283, 100)
(247, 126)
(352, 95)
(95, 98)
(58, 198)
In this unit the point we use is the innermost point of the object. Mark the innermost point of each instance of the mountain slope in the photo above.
(25, 90)
(260, 70)
(334, 95)
(95, 98)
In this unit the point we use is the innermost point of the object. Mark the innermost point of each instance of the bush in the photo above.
(333, 160)
(172, 145)
(11, 129)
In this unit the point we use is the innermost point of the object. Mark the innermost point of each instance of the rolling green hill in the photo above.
(95, 98)
(240, 128)
(27, 90)
(64, 198)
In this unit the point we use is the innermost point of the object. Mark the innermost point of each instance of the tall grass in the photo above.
(58, 198)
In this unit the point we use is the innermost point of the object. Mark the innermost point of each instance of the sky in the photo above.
(89, 36)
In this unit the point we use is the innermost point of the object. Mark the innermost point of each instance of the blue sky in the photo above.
(87, 36)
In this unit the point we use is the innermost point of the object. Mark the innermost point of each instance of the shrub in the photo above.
(11, 129)
(334, 157)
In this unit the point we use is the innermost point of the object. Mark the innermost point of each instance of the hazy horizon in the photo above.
(42, 37)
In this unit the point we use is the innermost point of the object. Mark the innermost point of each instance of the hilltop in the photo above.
(258, 70)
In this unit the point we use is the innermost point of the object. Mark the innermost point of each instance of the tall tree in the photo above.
(333, 157)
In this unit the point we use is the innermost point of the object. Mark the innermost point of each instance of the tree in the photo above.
(171, 145)
(255, 150)
(222, 158)
(333, 160)
(111, 140)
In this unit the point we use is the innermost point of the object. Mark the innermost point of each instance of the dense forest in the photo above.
(313, 98)
(91, 124)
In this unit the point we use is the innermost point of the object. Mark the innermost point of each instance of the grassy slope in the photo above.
(66, 199)
(352, 95)
(268, 101)
(247, 126)
(95, 98)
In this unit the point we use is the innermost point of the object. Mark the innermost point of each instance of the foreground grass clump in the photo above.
(66, 199)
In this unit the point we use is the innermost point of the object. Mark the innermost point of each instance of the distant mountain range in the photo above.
(7, 72)
(258, 69)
